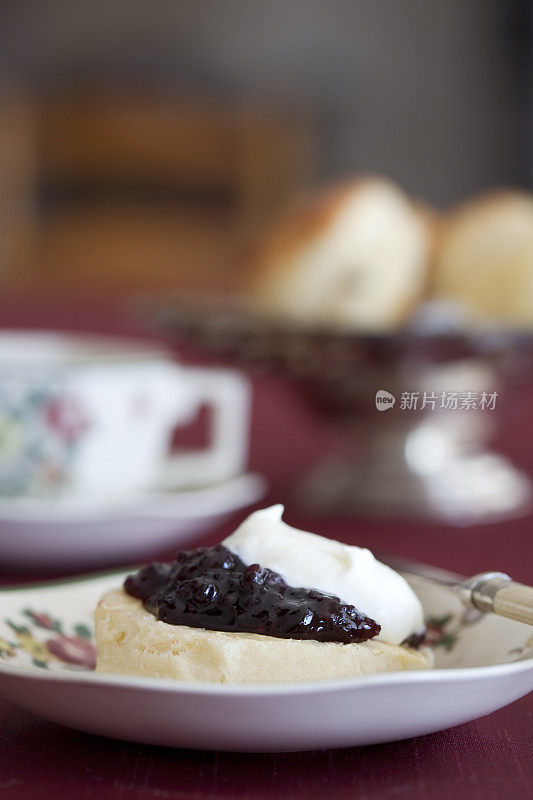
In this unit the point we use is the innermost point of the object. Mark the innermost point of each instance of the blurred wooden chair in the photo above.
(140, 194)
(17, 182)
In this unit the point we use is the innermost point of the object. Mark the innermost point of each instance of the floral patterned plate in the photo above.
(47, 656)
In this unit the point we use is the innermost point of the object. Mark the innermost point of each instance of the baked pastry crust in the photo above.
(131, 641)
(484, 257)
(354, 255)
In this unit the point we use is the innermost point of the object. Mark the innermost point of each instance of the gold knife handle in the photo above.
(515, 601)
(495, 591)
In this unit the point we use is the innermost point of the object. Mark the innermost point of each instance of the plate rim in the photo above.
(83, 577)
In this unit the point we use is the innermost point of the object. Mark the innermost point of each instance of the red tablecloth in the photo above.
(484, 759)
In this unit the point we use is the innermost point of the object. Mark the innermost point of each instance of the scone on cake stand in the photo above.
(484, 259)
(338, 301)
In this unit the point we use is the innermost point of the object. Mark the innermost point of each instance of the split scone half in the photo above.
(484, 258)
(264, 606)
(131, 641)
(354, 256)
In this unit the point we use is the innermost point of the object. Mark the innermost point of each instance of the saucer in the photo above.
(40, 533)
(483, 662)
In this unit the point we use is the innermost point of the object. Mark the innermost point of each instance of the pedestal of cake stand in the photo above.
(421, 471)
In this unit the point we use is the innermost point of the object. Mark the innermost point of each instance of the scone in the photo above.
(354, 256)
(260, 608)
(484, 258)
(132, 641)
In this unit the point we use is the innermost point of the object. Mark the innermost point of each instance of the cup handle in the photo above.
(228, 394)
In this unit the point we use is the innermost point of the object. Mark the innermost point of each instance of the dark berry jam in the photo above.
(212, 588)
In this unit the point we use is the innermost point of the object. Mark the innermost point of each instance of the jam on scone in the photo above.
(213, 588)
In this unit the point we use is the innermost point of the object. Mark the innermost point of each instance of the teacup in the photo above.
(92, 416)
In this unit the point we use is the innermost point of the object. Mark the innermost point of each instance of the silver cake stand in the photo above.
(418, 408)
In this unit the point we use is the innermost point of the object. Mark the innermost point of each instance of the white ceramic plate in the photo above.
(43, 533)
(483, 663)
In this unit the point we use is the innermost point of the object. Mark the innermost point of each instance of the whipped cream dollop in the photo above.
(311, 561)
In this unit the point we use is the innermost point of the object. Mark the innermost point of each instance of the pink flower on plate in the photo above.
(67, 417)
(73, 650)
(42, 620)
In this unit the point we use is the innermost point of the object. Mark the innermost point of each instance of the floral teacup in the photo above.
(83, 416)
